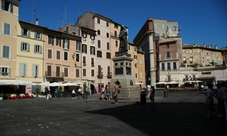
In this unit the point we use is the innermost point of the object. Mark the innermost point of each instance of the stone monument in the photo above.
(123, 69)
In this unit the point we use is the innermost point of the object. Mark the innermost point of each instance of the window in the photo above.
(92, 62)
(5, 71)
(5, 52)
(77, 73)
(35, 70)
(92, 38)
(50, 40)
(115, 33)
(99, 44)
(92, 50)
(167, 46)
(84, 72)
(135, 48)
(107, 23)
(99, 54)
(77, 57)
(135, 75)
(163, 66)
(58, 55)
(183, 50)
(58, 41)
(65, 55)
(186, 77)
(135, 57)
(7, 6)
(107, 35)
(92, 72)
(49, 54)
(163, 26)
(48, 70)
(84, 35)
(25, 32)
(194, 77)
(141, 75)
(77, 45)
(191, 59)
(84, 48)
(98, 31)
(168, 66)
(108, 45)
(57, 71)
(98, 20)
(116, 43)
(6, 29)
(25, 47)
(66, 72)
(38, 49)
(66, 43)
(108, 56)
(168, 55)
(174, 28)
(190, 51)
(174, 65)
(84, 61)
(38, 35)
(23, 69)
(184, 58)
(169, 78)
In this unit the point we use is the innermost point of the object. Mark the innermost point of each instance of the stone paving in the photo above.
(180, 114)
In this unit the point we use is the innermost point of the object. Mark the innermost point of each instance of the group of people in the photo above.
(221, 95)
(106, 94)
(78, 93)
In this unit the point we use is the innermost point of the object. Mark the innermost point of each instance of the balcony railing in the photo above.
(54, 74)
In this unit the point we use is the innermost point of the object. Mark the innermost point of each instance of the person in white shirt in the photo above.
(79, 93)
(149, 91)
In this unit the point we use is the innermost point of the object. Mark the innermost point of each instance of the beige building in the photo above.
(8, 38)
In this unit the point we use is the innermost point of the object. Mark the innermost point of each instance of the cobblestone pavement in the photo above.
(180, 114)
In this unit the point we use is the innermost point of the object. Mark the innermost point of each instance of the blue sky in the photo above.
(200, 21)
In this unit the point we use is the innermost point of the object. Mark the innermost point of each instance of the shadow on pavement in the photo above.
(172, 119)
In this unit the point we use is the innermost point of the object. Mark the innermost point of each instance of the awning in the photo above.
(16, 82)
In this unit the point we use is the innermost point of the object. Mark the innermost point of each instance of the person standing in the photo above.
(73, 94)
(223, 95)
(115, 93)
(79, 91)
(217, 94)
(209, 100)
(152, 94)
(149, 91)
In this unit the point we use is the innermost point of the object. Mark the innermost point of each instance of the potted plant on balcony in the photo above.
(1, 96)
(109, 75)
(4, 73)
(100, 75)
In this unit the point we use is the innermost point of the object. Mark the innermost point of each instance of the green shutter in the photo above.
(22, 31)
(21, 70)
(21, 46)
(28, 47)
(33, 70)
(3, 4)
(28, 33)
(9, 71)
(41, 50)
(35, 48)
(11, 8)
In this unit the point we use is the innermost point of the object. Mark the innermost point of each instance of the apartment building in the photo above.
(138, 65)
(29, 53)
(155, 39)
(8, 38)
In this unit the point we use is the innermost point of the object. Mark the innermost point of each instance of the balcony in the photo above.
(54, 74)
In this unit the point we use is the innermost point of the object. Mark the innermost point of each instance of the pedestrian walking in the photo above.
(73, 94)
(217, 95)
(79, 92)
(149, 91)
(209, 100)
(152, 94)
(116, 92)
(223, 93)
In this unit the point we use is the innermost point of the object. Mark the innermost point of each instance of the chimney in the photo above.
(37, 21)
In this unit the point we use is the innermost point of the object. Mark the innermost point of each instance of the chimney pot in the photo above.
(37, 21)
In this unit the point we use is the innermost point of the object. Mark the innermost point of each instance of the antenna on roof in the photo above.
(34, 12)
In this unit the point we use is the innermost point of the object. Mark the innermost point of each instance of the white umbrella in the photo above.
(173, 82)
(56, 84)
(44, 83)
(70, 84)
(158, 83)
